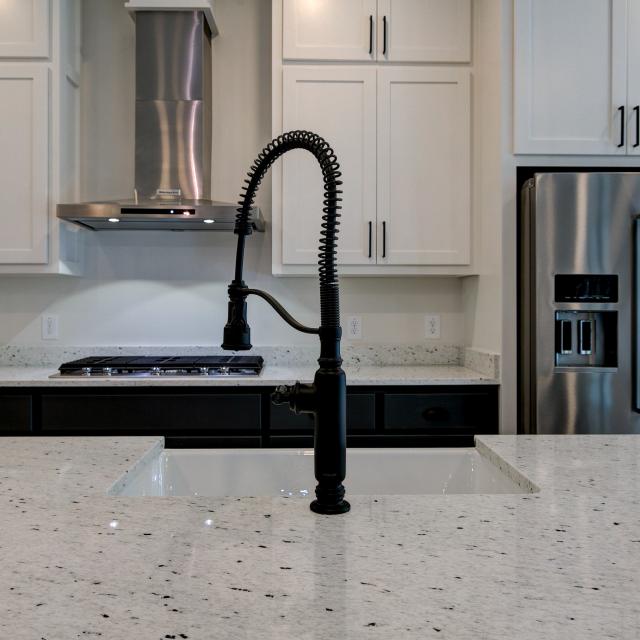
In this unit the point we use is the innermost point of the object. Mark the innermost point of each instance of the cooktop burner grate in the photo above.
(140, 366)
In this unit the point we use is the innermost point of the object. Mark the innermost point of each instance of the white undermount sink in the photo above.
(289, 473)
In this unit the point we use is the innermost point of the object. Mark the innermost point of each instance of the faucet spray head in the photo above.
(237, 333)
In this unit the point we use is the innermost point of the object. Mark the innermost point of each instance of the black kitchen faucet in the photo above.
(326, 397)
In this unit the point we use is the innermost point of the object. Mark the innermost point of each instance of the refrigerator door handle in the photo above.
(636, 110)
(636, 315)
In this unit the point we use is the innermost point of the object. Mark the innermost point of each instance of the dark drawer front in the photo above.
(444, 413)
(173, 413)
(361, 411)
(15, 413)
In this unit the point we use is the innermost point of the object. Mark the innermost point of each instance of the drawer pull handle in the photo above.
(622, 124)
(370, 35)
(435, 414)
(384, 35)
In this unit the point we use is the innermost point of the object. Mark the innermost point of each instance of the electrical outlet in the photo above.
(354, 328)
(432, 327)
(50, 327)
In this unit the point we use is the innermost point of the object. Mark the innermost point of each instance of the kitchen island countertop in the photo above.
(560, 563)
(371, 375)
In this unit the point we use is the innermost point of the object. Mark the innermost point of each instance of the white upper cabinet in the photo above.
(339, 104)
(24, 28)
(424, 164)
(571, 76)
(401, 133)
(329, 29)
(39, 120)
(382, 30)
(24, 193)
(633, 80)
(425, 30)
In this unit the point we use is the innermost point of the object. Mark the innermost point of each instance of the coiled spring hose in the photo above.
(327, 270)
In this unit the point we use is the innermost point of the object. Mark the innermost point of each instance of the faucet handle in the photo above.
(301, 398)
(282, 395)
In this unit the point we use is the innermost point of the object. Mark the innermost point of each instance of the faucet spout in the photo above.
(326, 398)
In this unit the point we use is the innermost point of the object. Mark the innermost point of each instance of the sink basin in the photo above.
(289, 473)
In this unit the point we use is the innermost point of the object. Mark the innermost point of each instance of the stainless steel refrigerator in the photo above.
(579, 270)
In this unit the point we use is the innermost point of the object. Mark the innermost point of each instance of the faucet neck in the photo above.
(330, 357)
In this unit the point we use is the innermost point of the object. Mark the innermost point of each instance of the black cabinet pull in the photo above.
(622, 123)
(636, 110)
(370, 237)
(370, 35)
(384, 35)
(384, 239)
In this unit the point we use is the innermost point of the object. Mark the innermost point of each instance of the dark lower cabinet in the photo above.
(15, 412)
(244, 416)
(188, 414)
(437, 413)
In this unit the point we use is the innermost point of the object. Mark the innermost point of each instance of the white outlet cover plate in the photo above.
(432, 327)
(50, 327)
(354, 327)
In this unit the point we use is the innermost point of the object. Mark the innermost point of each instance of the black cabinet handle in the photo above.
(636, 110)
(622, 123)
(384, 239)
(370, 35)
(384, 35)
(370, 237)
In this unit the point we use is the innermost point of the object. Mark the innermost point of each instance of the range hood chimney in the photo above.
(172, 130)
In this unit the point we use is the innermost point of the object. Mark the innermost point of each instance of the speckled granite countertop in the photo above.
(562, 563)
(271, 375)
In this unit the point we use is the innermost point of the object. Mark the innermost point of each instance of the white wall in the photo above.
(170, 288)
(482, 294)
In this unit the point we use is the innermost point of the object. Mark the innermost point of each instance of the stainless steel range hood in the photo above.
(173, 135)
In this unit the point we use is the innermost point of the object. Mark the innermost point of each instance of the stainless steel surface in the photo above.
(173, 104)
(163, 215)
(173, 135)
(578, 223)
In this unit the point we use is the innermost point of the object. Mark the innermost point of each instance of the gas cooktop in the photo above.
(143, 366)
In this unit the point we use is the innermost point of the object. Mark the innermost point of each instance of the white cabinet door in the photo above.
(633, 79)
(23, 164)
(24, 28)
(329, 29)
(424, 30)
(339, 104)
(424, 166)
(570, 76)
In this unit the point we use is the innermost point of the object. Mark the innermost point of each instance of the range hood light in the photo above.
(114, 219)
(208, 221)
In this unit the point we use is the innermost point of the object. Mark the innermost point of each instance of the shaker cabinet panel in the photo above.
(424, 159)
(15, 413)
(24, 29)
(570, 77)
(24, 198)
(329, 29)
(339, 104)
(425, 30)
(633, 80)
(145, 413)
(440, 412)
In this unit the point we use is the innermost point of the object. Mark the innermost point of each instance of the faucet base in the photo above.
(330, 509)
(330, 500)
